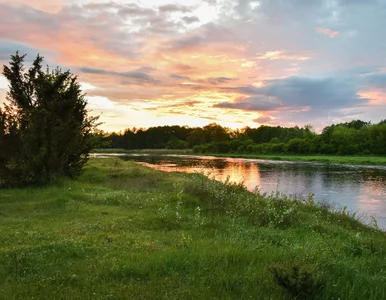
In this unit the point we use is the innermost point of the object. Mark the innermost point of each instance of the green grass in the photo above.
(143, 151)
(123, 231)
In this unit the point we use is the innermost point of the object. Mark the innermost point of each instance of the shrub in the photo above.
(45, 131)
(197, 149)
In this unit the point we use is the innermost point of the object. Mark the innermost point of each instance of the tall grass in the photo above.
(123, 231)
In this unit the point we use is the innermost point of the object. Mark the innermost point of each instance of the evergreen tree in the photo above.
(45, 130)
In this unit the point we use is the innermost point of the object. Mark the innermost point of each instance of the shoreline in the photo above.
(360, 160)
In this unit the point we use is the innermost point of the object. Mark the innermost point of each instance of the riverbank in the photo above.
(144, 151)
(126, 231)
(365, 160)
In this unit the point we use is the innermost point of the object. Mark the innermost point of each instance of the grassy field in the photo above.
(123, 231)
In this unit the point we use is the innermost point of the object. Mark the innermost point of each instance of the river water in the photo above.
(362, 189)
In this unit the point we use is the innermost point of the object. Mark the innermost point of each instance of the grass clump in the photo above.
(297, 280)
(126, 231)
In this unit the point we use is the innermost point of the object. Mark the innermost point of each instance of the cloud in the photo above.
(327, 93)
(181, 104)
(346, 3)
(211, 2)
(206, 38)
(132, 10)
(170, 8)
(300, 100)
(283, 62)
(253, 103)
(146, 69)
(219, 80)
(247, 90)
(377, 80)
(176, 76)
(181, 67)
(8, 48)
(192, 86)
(272, 55)
(140, 76)
(327, 31)
(211, 80)
(188, 43)
(263, 120)
(190, 20)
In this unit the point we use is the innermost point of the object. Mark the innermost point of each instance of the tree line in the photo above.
(355, 137)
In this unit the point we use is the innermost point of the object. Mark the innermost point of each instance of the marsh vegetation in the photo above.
(126, 231)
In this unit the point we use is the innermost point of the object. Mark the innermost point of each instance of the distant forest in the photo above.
(355, 137)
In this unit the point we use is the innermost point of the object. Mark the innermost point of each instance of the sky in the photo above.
(238, 63)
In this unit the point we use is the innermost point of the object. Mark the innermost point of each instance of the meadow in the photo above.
(124, 231)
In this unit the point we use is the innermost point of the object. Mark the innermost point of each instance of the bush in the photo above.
(235, 144)
(298, 145)
(276, 148)
(45, 131)
(176, 144)
(197, 149)
(241, 149)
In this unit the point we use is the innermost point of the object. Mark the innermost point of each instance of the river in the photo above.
(361, 188)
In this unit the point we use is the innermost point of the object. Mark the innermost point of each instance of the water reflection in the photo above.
(361, 188)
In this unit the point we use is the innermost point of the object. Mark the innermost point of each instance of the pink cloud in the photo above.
(51, 6)
(327, 31)
(273, 55)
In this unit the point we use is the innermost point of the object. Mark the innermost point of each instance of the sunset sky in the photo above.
(238, 63)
